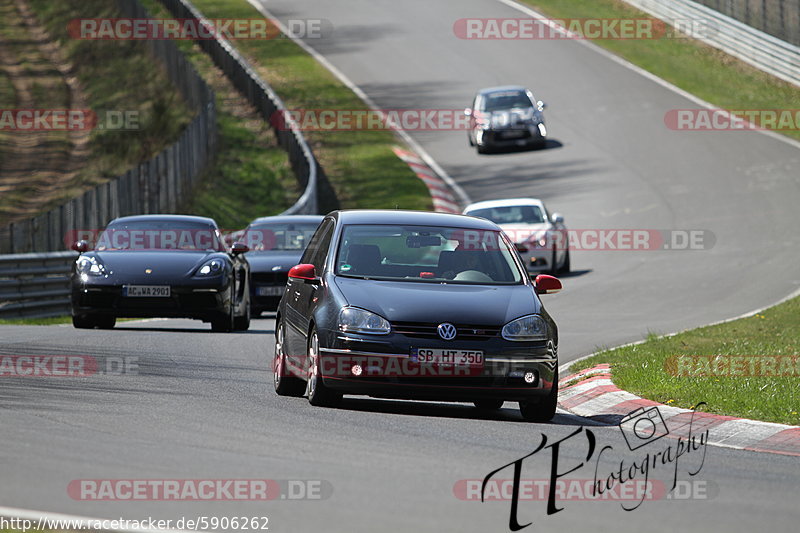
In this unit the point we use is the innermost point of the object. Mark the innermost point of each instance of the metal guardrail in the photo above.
(763, 51)
(318, 196)
(35, 285)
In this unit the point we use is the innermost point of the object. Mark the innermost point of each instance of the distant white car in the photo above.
(540, 237)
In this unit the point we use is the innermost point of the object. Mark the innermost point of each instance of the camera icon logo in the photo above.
(642, 426)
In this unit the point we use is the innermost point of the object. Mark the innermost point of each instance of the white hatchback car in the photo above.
(540, 237)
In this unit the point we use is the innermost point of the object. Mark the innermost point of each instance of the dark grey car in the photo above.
(416, 305)
(505, 117)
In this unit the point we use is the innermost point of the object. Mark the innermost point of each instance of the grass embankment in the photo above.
(751, 367)
(695, 67)
(251, 176)
(360, 165)
(56, 71)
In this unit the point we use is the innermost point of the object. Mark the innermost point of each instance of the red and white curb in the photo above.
(597, 398)
(443, 198)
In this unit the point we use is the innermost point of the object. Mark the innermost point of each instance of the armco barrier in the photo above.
(765, 52)
(35, 285)
(157, 185)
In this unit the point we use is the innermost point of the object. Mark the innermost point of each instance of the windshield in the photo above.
(513, 214)
(279, 237)
(426, 254)
(505, 100)
(156, 235)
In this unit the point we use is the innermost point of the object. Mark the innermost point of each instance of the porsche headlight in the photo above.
(89, 266)
(355, 320)
(527, 328)
(211, 267)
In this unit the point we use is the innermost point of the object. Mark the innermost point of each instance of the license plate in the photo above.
(439, 356)
(146, 291)
(513, 134)
(269, 291)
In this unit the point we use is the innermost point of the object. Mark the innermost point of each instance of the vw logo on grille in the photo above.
(447, 331)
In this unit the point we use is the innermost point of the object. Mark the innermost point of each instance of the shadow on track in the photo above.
(550, 144)
(509, 413)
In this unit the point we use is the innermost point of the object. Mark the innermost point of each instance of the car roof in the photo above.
(289, 219)
(412, 218)
(505, 202)
(502, 88)
(175, 218)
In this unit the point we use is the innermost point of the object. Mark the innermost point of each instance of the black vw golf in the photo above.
(161, 266)
(416, 305)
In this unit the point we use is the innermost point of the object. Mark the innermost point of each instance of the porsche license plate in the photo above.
(440, 356)
(146, 291)
(269, 291)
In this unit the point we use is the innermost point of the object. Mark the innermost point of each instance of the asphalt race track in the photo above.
(200, 405)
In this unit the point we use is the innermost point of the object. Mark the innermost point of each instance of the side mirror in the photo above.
(467, 112)
(545, 284)
(304, 271)
(80, 246)
(541, 105)
(557, 218)
(239, 248)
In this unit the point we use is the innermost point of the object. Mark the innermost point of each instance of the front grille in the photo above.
(270, 278)
(463, 331)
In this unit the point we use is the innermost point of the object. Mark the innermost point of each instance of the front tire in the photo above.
(242, 323)
(224, 323)
(318, 393)
(541, 410)
(285, 385)
(565, 268)
(83, 322)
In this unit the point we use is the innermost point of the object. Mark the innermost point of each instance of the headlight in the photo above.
(542, 129)
(527, 328)
(355, 320)
(538, 241)
(89, 266)
(211, 267)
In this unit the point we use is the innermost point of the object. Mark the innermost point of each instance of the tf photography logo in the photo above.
(625, 479)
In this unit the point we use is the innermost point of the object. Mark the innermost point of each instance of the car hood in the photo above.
(397, 301)
(267, 261)
(164, 265)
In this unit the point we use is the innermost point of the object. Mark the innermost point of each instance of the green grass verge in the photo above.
(115, 75)
(361, 166)
(251, 176)
(689, 64)
(49, 321)
(649, 369)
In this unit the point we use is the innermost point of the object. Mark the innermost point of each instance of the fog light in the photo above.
(529, 377)
(356, 370)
